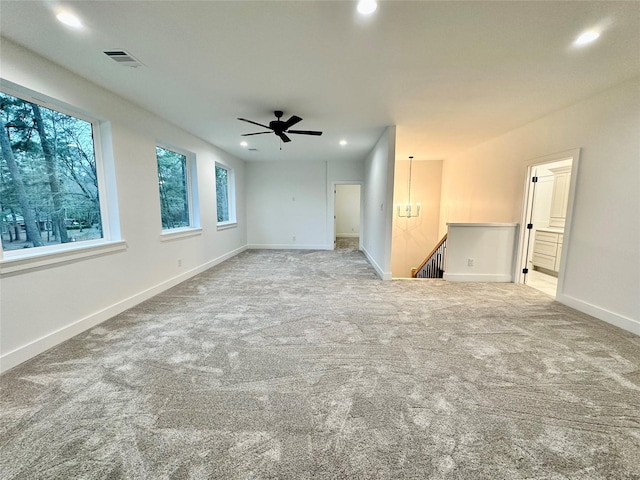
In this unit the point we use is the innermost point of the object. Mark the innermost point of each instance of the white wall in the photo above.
(338, 171)
(414, 238)
(287, 200)
(378, 203)
(294, 199)
(74, 296)
(347, 210)
(478, 252)
(602, 258)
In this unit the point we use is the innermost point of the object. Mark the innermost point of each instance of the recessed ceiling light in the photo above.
(367, 7)
(343, 142)
(69, 19)
(244, 144)
(586, 37)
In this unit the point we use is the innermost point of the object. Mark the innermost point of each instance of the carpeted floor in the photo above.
(347, 243)
(303, 365)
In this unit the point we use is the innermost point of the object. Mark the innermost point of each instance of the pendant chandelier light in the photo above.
(407, 210)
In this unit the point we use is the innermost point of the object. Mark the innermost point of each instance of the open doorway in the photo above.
(346, 218)
(548, 206)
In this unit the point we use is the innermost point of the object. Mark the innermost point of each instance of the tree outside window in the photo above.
(48, 177)
(174, 190)
(225, 195)
(222, 193)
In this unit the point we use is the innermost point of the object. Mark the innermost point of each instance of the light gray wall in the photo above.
(287, 200)
(294, 199)
(378, 203)
(74, 296)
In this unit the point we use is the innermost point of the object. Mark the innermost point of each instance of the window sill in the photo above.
(178, 233)
(227, 225)
(64, 254)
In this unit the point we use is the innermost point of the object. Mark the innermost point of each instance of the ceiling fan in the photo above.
(281, 128)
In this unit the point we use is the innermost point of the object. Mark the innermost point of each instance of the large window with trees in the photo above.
(174, 182)
(48, 177)
(225, 195)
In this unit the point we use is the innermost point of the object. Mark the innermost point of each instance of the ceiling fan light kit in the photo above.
(281, 128)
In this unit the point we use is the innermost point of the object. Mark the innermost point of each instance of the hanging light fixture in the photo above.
(408, 210)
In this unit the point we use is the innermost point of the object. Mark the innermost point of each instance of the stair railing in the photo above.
(433, 265)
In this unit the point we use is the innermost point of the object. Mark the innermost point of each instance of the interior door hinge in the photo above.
(534, 179)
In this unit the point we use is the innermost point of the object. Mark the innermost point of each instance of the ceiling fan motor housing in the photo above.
(276, 125)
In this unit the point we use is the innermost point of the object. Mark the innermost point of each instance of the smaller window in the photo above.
(225, 195)
(174, 184)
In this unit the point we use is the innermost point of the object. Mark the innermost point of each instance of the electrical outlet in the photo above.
(294, 238)
(470, 262)
(179, 262)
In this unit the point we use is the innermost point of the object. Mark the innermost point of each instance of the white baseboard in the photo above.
(348, 235)
(285, 246)
(620, 321)
(381, 273)
(36, 347)
(482, 277)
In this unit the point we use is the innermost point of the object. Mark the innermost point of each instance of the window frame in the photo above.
(231, 196)
(13, 261)
(192, 194)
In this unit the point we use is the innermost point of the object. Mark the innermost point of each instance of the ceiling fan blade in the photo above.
(257, 133)
(291, 122)
(255, 123)
(306, 132)
(283, 137)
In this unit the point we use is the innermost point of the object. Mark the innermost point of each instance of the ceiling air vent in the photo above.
(123, 58)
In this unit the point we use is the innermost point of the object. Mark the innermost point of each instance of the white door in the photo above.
(546, 200)
(347, 215)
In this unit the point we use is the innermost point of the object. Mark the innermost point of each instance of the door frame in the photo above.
(332, 209)
(527, 205)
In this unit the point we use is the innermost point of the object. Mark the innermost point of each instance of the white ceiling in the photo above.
(449, 74)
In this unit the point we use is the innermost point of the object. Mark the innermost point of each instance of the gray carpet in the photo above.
(303, 365)
(347, 243)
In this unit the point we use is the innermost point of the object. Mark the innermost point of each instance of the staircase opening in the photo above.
(433, 265)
